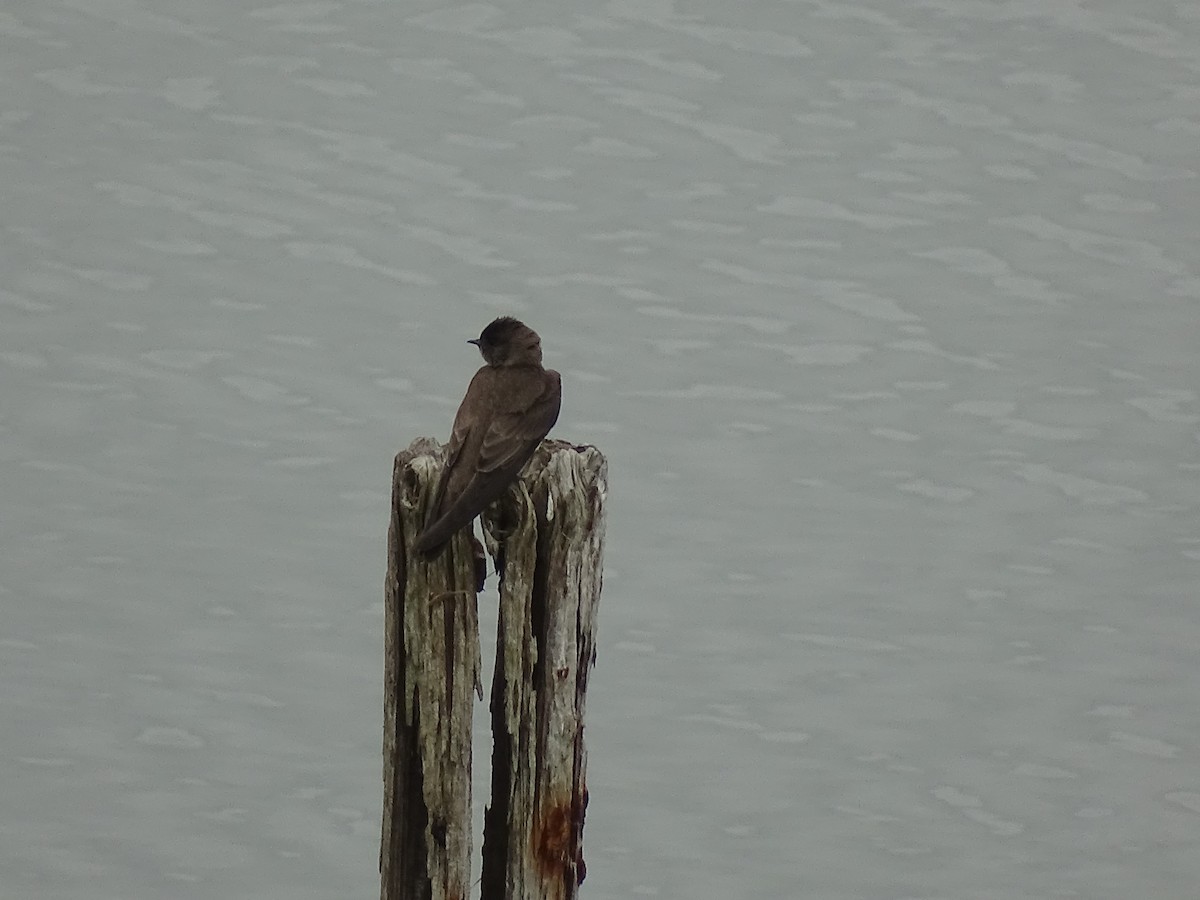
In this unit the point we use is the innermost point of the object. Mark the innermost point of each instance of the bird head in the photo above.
(508, 342)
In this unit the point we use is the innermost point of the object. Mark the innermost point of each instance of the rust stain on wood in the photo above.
(558, 838)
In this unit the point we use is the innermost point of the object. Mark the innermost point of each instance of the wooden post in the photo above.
(549, 550)
(431, 672)
(547, 538)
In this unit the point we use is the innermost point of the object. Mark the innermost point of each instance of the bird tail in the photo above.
(462, 511)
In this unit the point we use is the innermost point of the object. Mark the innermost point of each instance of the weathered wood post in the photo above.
(431, 672)
(550, 555)
(547, 538)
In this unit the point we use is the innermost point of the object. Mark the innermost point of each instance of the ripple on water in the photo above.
(1143, 746)
(845, 642)
(821, 354)
(943, 492)
(971, 807)
(1078, 487)
(616, 148)
(193, 94)
(174, 738)
(812, 208)
(1188, 800)
(183, 360)
(261, 390)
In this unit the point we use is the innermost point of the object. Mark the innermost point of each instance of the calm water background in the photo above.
(886, 315)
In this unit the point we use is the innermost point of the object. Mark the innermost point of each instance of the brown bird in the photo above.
(510, 405)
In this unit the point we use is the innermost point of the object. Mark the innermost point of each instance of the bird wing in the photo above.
(458, 438)
(512, 434)
(515, 431)
(462, 424)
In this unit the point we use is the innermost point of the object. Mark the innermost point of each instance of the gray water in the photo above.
(887, 317)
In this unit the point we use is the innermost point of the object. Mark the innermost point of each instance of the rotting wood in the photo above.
(548, 541)
(547, 537)
(431, 674)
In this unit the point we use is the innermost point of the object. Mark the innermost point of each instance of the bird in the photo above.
(511, 403)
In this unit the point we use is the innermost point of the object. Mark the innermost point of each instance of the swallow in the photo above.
(510, 405)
